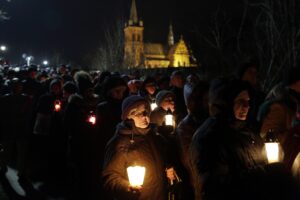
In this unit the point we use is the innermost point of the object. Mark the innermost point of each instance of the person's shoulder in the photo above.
(74, 98)
(209, 128)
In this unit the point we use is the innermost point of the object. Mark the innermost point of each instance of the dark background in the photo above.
(74, 29)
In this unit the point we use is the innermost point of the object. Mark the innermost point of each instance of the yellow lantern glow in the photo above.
(136, 175)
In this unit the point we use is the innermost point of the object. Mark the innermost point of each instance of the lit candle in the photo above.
(57, 106)
(92, 118)
(136, 175)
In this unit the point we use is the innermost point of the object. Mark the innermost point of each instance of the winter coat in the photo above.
(108, 116)
(133, 146)
(280, 115)
(15, 116)
(180, 107)
(184, 134)
(225, 156)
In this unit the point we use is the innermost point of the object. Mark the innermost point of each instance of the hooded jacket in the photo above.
(134, 146)
(224, 151)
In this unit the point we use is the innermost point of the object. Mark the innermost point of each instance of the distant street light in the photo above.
(45, 62)
(28, 59)
(3, 48)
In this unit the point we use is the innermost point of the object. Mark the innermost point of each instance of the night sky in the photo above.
(74, 29)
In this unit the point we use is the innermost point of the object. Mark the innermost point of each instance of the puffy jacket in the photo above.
(134, 146)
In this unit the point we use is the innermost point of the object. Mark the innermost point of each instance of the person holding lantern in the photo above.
(165, 104)
(226, 155)
(149, 89)
(80, 123)
(281, 114)
(136, 143)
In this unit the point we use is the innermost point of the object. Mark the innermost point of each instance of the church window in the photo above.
(133, 37)
(138, 38)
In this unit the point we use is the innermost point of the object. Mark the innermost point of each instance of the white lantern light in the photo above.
(169, 118)
(272, 147)
(57, 106)
(92, 118)
(136, 175)
(153, 105)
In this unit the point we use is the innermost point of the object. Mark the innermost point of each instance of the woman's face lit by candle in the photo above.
(140, 115)
(241, 105)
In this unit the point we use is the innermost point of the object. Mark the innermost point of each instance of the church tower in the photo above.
(171, 36)
(134, 45)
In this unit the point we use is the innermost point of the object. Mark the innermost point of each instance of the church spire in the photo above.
(171, 36)
(133, 13)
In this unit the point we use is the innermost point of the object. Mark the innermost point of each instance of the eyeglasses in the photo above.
(169, 99)
(140, 114)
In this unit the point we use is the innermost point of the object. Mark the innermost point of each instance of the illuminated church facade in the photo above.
(137, 53)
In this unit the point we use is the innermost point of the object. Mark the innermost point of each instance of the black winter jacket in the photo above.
(133, 146)
(225, 157)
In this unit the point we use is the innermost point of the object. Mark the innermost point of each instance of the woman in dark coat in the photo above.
(135, 143)
(226, 155)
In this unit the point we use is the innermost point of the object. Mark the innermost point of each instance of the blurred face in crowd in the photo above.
(295, 86)
(32, 74)
(56, 89)
(168, 103)
(140, 115)
(150, 88)
(241, 105)
(177, 81)
(117, 92)
(250, 76)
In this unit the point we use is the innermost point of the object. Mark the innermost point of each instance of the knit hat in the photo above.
(194, 93)
(162, 95)
(70, 87)
(131, 102)
(113, 82)
(55, 81)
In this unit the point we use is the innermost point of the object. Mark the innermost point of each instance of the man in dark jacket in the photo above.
(135, 143)
(16, 109)
(177, 82)
(196, 100)
(109, 111)
(81, 126)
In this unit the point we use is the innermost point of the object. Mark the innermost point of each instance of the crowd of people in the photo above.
(77, 132)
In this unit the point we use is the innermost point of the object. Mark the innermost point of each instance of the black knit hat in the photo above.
(70, 87)
(131, 102)
(113, 82)
(55, 81)
(162, 95)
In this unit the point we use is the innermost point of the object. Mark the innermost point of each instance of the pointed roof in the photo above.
(171, 35)
(133, 13)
